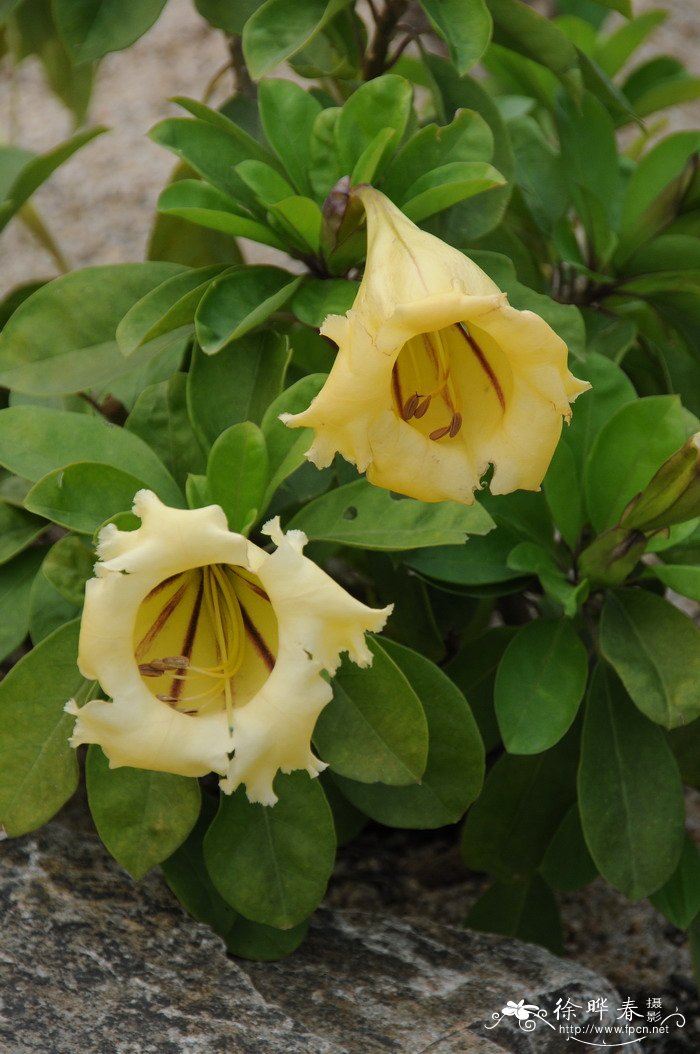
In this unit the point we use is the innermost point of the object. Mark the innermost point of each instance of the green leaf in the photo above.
(160, 418)
(190, 199)
(562, 489)
(447, 186)
(258, 362)
(589, 151)
(35, 440)
(284, 105)
(83, 495)
(286, 446)
(359, 514)
(518, 27)
(540, 683)
(35, 171)
(319, 297)
(627, 452)
(455, 768)
(18, 529)
(630, 792)
(682, 579)
(567, 864)
(141, 816)
(238, 302)
(382, 103)
(473, 669)
(186, 874)
(467, 138)
(465, 27)
(62, 339)
(170, 306)
(48, 609)
(272, 863)
(655, 650)
(38, 767)
(374, 729)
(324, 164)
(611, 389)
(482, 561)
(16, 578)
(300, 220)
(525, 908)
(92, 28)
(275, 31)
(373, 158)
(68, 565)
(212, 147)
(237, 473)
(679, 899)
(612, 52)
(523, 802)
(540, 172)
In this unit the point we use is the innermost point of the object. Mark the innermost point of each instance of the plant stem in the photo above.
(242, 80)
(377, 56)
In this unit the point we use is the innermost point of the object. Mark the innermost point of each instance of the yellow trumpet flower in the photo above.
(437, 376)
(212, 650)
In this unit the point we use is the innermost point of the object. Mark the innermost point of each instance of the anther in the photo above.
(175, 662)
(151, 669)
(409, 408)
(440, 433)
(167, 698)
(455, 425)
(422, 408)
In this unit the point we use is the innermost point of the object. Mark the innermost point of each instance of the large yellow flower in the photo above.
(213, 650)
(436, 375)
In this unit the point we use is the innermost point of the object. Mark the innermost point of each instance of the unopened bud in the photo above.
(612, 556)
(342, 233)
(672, 496)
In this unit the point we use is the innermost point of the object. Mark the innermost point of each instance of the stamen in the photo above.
(409, 409)
(455, 425)
(440, 433)
(422, 408)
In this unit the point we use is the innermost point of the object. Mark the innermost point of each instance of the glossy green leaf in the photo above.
(68, 565)
(83, 495)
(237, 473)
(193, 200)
(520, 28)
(91, 28)
(211, 148)
(567, 864)
(611, 389)
(62, 339)
(141, 816)
(540, 683)
(523, 802)
(286, 446)
(18, 529)
(363, 515)
(319, 297)
(35, 440)
(374, 729)
(531, 558)
(630, 792)
(38, 767)
(628, 450)
(284, 105)
(169, 307)
(655, 649)
(525, 908)
(384, 102)
(277, 31)
(465, 27)
(455, 768)
(48, 609)
(562, 489)
(447, 186)
(16, 578)
(679, 899)
(238, 302)
(258, 362)
(300, 221)
(481, 562)
(467, 138)
(612, 52)
(682, 579)
(35, 171)
(273, 863)
(473, 669)
(161, 419)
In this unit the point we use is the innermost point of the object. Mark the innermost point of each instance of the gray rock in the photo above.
(92, 963)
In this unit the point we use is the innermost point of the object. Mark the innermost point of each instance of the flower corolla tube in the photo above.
(436, 375)
(214, 652)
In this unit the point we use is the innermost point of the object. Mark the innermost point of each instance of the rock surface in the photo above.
(92, 963)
